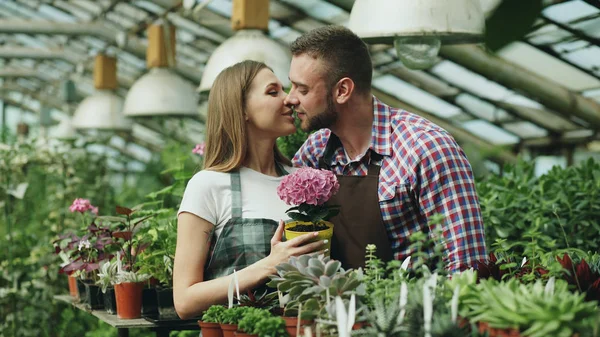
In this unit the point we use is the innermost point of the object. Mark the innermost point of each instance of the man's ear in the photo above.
(344, 90)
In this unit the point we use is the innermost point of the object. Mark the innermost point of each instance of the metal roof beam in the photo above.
(552, 95)
(107, 33)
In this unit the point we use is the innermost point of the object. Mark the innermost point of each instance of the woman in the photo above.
(229, 212)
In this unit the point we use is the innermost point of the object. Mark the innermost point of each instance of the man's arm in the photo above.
(447, 187)
(312, 149)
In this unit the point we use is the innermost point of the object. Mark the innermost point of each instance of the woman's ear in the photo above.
(344, 90)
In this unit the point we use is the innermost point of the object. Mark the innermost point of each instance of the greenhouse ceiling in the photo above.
(539, 93)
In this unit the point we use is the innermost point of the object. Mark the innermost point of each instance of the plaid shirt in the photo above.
(419, 156)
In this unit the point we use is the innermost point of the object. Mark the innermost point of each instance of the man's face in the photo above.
(310, 96)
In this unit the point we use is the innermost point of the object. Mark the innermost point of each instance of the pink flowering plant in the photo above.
(308, 189)
(82, 255)
(199, 149)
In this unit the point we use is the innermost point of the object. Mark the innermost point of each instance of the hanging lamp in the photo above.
(250, 18)
(418, 28)
(103, 109)
(161, 92)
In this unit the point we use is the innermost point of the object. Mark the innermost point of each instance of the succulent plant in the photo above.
(310, 279)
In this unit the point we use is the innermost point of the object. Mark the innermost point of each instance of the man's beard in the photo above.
(322, 120)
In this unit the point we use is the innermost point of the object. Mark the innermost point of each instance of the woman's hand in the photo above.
(282, 251)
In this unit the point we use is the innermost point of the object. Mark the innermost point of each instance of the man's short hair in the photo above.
(343, 52)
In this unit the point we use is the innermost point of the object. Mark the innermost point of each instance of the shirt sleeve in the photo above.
(312, 149)
(447, 188)
(199, 197)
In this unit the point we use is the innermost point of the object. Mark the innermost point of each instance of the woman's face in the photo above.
(266, 115)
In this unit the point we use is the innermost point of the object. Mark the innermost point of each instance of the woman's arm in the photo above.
(191, 294)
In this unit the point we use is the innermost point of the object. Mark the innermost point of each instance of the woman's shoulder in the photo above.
(209, 178)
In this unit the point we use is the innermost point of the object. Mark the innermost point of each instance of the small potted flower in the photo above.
(230, 318)
(106, 280)
(81, 255)
(247, 327)
(209, 324)
(308, 190)
(130, 281)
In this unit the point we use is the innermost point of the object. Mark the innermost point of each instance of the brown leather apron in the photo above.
(359, 222)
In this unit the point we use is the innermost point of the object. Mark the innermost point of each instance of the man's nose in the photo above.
(290, 99)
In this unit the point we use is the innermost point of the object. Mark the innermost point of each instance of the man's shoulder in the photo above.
(318, 138)
(402, 120)
(416, 132)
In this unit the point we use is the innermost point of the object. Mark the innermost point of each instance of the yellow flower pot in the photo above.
(325, 234)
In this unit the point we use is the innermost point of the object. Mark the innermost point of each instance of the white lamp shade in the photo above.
(64, 130)
(454, 21)
(160, 92)
(247, 45)
(103, 111)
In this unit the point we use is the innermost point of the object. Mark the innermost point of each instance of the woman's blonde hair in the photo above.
(226, 143)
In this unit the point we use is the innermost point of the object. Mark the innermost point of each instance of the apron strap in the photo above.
(236, 195)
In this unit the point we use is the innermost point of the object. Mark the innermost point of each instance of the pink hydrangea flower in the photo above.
(80, 205)
(94, 210)
(308, 186)
(199, 149)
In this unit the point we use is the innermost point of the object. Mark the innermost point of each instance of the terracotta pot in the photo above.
(229, 329)
(325, 234)
(291, 325)
(494, 332)
(243, 334)
(73, 291)
(210, 329)
(359, 325)
(129, 299)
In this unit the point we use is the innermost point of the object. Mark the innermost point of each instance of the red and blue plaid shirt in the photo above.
(419, 156)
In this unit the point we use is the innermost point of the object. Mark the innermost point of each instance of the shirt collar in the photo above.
(380, 135)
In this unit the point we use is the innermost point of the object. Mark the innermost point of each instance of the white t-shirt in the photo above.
(208, 195)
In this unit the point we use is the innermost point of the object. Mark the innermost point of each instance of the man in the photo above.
(396, 169)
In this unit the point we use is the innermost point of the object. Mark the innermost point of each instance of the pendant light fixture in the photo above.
(103, 109)
(161, 92)
(250, 18)
(418, 28)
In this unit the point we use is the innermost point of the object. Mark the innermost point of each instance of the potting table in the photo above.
(123, 325)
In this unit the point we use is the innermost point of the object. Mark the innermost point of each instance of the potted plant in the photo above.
(231, 317)
(65, 246)
(82, 255)
(308, 283)
(106, 280)
(271, 327)
(209, 324)
(130, 281)
(248, 324)
(157, 260)
(307, 190)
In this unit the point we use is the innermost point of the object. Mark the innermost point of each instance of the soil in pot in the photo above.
(129, 299)
(291, 325)
(228, 329)
(297, 228)
(110, 302)
(166, 308)
(149, 302)
(93, 297)
(210, 329)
